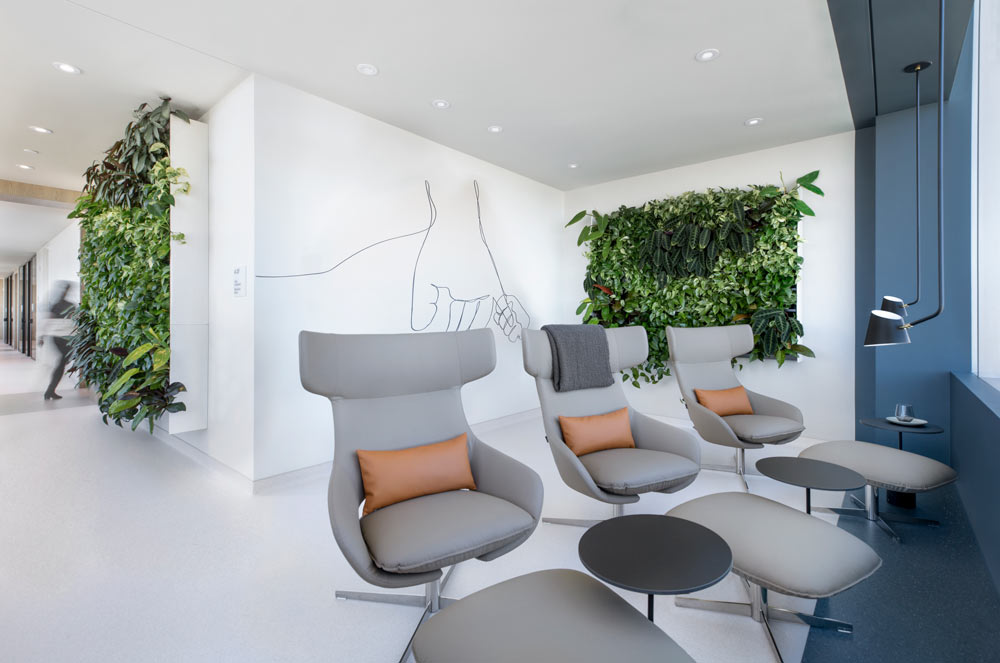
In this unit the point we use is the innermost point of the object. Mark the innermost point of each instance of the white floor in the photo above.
(115, 547)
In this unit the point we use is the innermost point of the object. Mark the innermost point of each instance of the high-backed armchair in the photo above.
(394, 391)
(701, 358)
(665, 458)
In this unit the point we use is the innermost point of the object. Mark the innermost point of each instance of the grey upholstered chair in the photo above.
(666, 458)
(394, 391)
(701, 358)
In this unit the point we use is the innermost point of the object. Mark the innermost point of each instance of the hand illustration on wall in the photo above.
(442, 306)
(455, 283)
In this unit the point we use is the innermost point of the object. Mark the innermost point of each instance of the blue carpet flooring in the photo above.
(932, 600)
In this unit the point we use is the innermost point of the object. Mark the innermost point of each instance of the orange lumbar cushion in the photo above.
(584, 435)
(725, 402)
(402, 474)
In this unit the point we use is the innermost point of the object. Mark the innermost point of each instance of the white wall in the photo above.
(822, 387)
(330, 181)
(229, 436)
(986, 297)
(59, 260)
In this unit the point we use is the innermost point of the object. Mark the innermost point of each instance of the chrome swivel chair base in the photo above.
(617, 510)
(431, 602)
(761, 612)
(869, 510)
(739, 470)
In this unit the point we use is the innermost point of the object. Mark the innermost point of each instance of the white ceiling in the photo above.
(24, 229)
(609, 84)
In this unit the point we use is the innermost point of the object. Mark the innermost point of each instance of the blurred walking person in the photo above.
(57, 328)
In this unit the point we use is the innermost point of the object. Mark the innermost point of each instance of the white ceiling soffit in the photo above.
(122, 67)
(611, 85)
(24, 229)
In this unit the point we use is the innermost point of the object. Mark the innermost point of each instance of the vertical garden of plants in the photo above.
(121, 347)
(718, 257)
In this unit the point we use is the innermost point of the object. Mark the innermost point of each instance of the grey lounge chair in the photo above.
(395, 391)
(666, 458)
(701, 358)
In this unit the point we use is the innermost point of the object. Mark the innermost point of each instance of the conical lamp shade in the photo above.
(885, 328)
(893, 305)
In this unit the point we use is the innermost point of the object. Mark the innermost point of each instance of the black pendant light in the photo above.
(886, 325)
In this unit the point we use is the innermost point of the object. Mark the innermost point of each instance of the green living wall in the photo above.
(718, 257)
(121, 347)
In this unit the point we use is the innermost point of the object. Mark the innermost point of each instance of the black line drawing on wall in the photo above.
(453, 312)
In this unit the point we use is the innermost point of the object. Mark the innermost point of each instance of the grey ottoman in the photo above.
(553, 615)
(776, 547)
(883, 467)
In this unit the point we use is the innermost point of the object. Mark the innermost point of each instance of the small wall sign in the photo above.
(240, 281)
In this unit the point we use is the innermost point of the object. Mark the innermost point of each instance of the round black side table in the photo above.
(654, 554)
(810, 474)
(902, 500)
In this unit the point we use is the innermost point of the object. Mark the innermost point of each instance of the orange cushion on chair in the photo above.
(584, 435)
(402, 474)
(725, 402)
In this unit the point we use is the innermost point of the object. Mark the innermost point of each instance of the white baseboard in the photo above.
(197, 455)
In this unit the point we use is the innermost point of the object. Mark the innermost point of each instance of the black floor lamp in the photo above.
(886, 325)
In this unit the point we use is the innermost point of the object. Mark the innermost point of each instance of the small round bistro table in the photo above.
(902, 500)
(810, 474)
(654, 554)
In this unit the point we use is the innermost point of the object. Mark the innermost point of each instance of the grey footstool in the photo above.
(883, 467)
(778, 548)
(553, 615)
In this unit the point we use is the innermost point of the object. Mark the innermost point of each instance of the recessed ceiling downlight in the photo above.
(24, 166)
(441, 104)
(39, 130)
(754, 122)
(67, 68)
(28, 150)
(574, 165)
(706, 55)
(367, 69)
(494, 128)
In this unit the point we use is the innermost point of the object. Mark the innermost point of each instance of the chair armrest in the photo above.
(342, 499)
(772, 407)
(659, 436)
(712, 427)
(499, 475)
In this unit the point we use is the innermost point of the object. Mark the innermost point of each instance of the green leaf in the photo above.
(579, 215)
(808, 178)
(116, 386)
(805, 209)
(137, 353)
(800, 349)
(160, 358)
(812, 187)
(121, 406)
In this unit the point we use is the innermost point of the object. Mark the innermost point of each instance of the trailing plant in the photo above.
(718, 257)
(121, 347)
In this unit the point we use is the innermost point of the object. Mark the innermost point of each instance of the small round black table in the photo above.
(902, 500)
(655, 555)
(810, 474)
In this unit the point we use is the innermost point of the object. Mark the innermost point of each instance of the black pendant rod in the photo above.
(940, 171)
(916, 73)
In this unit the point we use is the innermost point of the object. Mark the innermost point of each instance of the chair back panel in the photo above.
(380, 365)
(392, 391)
(628, 347)
(701, 357)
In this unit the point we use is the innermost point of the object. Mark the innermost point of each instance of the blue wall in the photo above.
(918, 373)
(975, 454)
